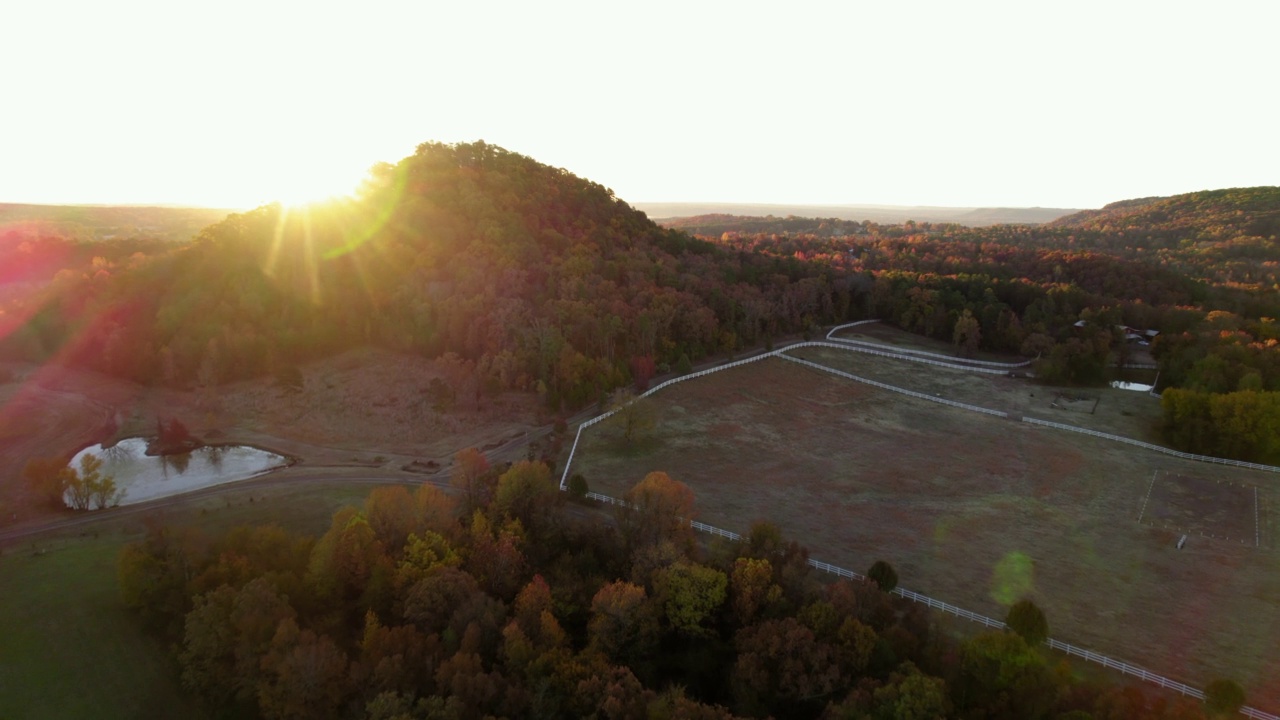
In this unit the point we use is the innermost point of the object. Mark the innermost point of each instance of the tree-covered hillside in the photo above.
(534, 277)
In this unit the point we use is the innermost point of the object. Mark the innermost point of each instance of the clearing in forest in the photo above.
(974, 510)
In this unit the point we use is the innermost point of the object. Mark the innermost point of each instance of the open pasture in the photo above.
(971, 509)
(1120, 412)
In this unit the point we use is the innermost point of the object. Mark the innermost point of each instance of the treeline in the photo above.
(1199, 268)
(503, 602)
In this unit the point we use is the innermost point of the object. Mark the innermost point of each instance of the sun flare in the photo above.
(310, 189)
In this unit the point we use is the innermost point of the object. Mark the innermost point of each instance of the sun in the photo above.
(297, 184)
(304, 191)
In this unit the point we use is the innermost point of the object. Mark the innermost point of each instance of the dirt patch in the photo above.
(364, 408)
(971, 509)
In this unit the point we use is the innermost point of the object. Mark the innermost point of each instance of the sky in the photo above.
(235, 104)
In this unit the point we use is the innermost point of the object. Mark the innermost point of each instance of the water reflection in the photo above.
(145, 477)
(1140, 387)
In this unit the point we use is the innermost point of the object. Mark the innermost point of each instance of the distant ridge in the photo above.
(875, 213)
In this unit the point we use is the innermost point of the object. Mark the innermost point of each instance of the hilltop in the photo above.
(1209, 215)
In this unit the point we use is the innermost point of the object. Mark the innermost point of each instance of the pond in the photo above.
(1139, 387)
(144, 477)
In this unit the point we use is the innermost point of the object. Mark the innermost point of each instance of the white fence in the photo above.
(781, 352)
(894, 388)
(908, 351)
(844, 345)
(1149, 446)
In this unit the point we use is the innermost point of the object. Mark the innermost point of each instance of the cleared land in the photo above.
(1119, 412)
(971, 509)
(364, 408)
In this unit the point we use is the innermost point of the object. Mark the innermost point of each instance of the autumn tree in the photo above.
(471, 476)
(87, 488)
(393, 516)
(624, 625)
(657, 508)
(46, 480)
(752, 590)
(304, 675)
(781, 664)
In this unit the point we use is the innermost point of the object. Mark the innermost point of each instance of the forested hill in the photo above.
(1211, 215)
(535, 278)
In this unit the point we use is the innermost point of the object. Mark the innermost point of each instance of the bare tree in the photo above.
(632, 415)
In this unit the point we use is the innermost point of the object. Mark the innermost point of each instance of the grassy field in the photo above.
(1119, 412)
(70, 649)
(971, 509)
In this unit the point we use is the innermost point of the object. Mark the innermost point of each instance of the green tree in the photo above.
(1027, 620)
(155, 573)
(1004, 677)
(578, 486)
(527, 493)
(1223, 697)
(883, 575)
(690, 595)
(226, 635)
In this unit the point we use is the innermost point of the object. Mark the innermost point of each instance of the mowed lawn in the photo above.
(68, 646)
(971, 509)
(69, 649)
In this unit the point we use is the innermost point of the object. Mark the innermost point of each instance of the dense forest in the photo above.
(537, 280)
(504, 601)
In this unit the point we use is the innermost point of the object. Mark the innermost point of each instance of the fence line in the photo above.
(842, 345)
(908, 351)
(1149, 446)
(894, 388)
(1073, 650)
(780, 352)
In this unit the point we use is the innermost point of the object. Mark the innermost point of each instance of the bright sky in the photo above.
(233, 103)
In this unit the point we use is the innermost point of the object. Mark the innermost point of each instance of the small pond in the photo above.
(144, 477)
